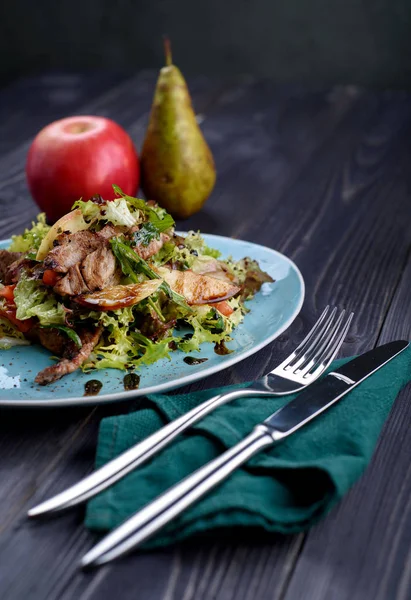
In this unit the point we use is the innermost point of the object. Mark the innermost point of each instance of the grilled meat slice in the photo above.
(72, 363)
(10, 273)
(52, 339)
(110, 231)
(152, 248)
(13, 263)
(99, 269)
(72, 283)
(15, 269)
(72, 248)
(6, 260)
(86, 261)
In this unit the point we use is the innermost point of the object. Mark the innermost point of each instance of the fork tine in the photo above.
(312, 343)
(334, 345)
(329, 347)
(313, 330)
(311, 356)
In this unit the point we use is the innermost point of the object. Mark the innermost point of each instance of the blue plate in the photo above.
(273, 309)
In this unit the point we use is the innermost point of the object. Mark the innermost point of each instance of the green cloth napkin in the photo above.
(285, 489)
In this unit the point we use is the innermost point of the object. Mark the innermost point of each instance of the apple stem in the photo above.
(167, 51)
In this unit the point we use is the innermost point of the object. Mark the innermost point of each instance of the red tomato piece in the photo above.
(50, 277)
(224, 308)
(10, 314)
(7, 292)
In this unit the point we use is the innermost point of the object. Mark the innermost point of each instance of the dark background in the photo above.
(318, 41)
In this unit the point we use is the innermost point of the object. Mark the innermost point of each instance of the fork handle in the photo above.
(129, 460)
(174, 501)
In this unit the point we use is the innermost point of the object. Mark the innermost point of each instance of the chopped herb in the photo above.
(146, 234)
(131, 263)
(160, 223)
(214, 321)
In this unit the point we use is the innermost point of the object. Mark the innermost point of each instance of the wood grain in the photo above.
(30, 103)
(347, 251)
(364, 545)
(322, 175)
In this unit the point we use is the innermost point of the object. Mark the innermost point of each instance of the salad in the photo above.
(111, 285)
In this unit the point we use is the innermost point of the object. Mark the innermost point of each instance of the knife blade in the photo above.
(325, 392)
(306, 406)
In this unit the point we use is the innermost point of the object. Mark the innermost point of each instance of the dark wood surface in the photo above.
(322, 175)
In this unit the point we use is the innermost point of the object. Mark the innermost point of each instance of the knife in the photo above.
(306, 406)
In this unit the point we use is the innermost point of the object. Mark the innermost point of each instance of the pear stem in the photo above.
(167, 51)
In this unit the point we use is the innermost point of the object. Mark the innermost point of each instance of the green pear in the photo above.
(177, 167)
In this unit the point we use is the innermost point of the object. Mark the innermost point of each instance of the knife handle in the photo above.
(174, 501)
(129, 460)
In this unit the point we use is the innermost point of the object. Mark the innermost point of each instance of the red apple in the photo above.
(79, 157)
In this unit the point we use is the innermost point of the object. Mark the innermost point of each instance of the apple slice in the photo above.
(198, 289)
(71, 222)
(119, 296)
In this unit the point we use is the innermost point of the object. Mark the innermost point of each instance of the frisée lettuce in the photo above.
(32, 299)
(123, 346)
(116, 212)
(31, 239)
(77, 288)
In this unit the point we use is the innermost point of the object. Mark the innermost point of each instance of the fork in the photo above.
(301, 368)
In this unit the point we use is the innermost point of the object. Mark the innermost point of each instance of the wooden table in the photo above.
(323, 175)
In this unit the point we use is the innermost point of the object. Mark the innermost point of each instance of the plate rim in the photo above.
(167, 387)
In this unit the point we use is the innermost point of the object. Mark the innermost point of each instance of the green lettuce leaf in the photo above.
(194, 241)
(195, 254)
(151, 351)
(237, 315)
(165, 254)
(34, 300)
(199, 336)
(116, 212)
(132, 264)
(146, 234)
(161, 223)
(122, 347)
(138, 203)
(31, 238)
(211, 326)
(9, 334)
(205, 329)
(158, 216)
(214, 321)
(116, 348)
